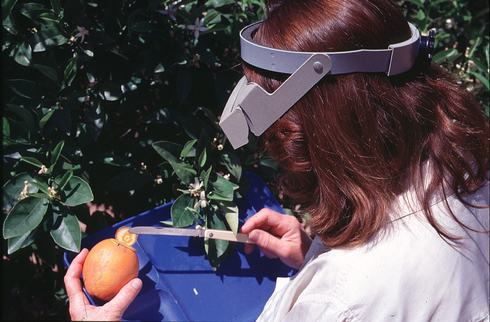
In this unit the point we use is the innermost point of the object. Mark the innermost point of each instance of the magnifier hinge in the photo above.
(318, 67)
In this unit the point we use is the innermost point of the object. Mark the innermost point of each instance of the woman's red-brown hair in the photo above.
(354, 142)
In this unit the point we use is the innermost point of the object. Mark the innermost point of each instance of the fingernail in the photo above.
(136, 283)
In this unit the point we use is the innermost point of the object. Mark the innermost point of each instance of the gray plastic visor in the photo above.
(251, 108)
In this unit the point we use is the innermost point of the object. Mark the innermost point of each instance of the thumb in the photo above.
(125, 296)
(266, 242)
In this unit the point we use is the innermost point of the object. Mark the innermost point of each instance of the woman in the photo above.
(393, 171)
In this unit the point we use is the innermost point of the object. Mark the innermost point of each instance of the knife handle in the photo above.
(227, 235)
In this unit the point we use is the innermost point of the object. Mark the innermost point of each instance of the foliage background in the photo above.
(110, 78)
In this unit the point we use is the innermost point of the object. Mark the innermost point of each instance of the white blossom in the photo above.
(82, 32)
(43, 170)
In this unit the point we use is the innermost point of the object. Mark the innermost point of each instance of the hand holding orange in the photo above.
(110, 265)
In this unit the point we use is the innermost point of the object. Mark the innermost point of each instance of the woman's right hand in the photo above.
(278, 236)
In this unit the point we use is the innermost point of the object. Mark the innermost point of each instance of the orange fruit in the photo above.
(109, 266)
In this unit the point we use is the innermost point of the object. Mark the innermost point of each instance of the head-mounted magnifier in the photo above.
(252, 109)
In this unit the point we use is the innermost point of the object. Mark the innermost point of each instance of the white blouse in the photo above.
(409, 273)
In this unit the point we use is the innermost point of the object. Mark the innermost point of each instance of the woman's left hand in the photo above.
(278, 236)
(80, 308)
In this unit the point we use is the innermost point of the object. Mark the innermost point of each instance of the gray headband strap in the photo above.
(396, 59)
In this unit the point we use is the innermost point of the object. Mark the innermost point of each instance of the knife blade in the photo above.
(142, 230)
(200, 232)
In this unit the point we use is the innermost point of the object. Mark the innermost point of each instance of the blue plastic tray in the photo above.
(178, 281)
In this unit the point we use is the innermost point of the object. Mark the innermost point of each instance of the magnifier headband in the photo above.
(396, 59)
(251, 108)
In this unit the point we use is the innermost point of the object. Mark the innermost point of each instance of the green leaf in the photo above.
(205, 176)
(76, 192)
(111, 96)
(219, 3)
(447, 55)
(45, 118)
(483, 79)
(56, 152)
(9, 26)
(188, 150)
(180, 212)
(38, 195)
(41, 185)
(487, 54)
(418, 3)
(167, 223)
(473, 48)
(188, 126)
(212, 18)
(39, 14)
(31, 9)
(168, 151)
(62, 181)
(20, 141)
(232, 164)
(159, 68)
(55, 4)
(70, 71)
(207, 113)
(184, 171)
(216, 249)
(222, 189)
(16, 243)
(22, 53)
(22, 87)
(49, 35)
(420, 15)
(116, 161)
(26, 215)
(269, 163)
(66, 231)
(47, 71)
(48, 16)
(7, 6)
(69, 166)
(23, 116)
(479, 65)
(203, 158)
(35, 162)
(5, 127)
(13, 188)
(230, 210)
